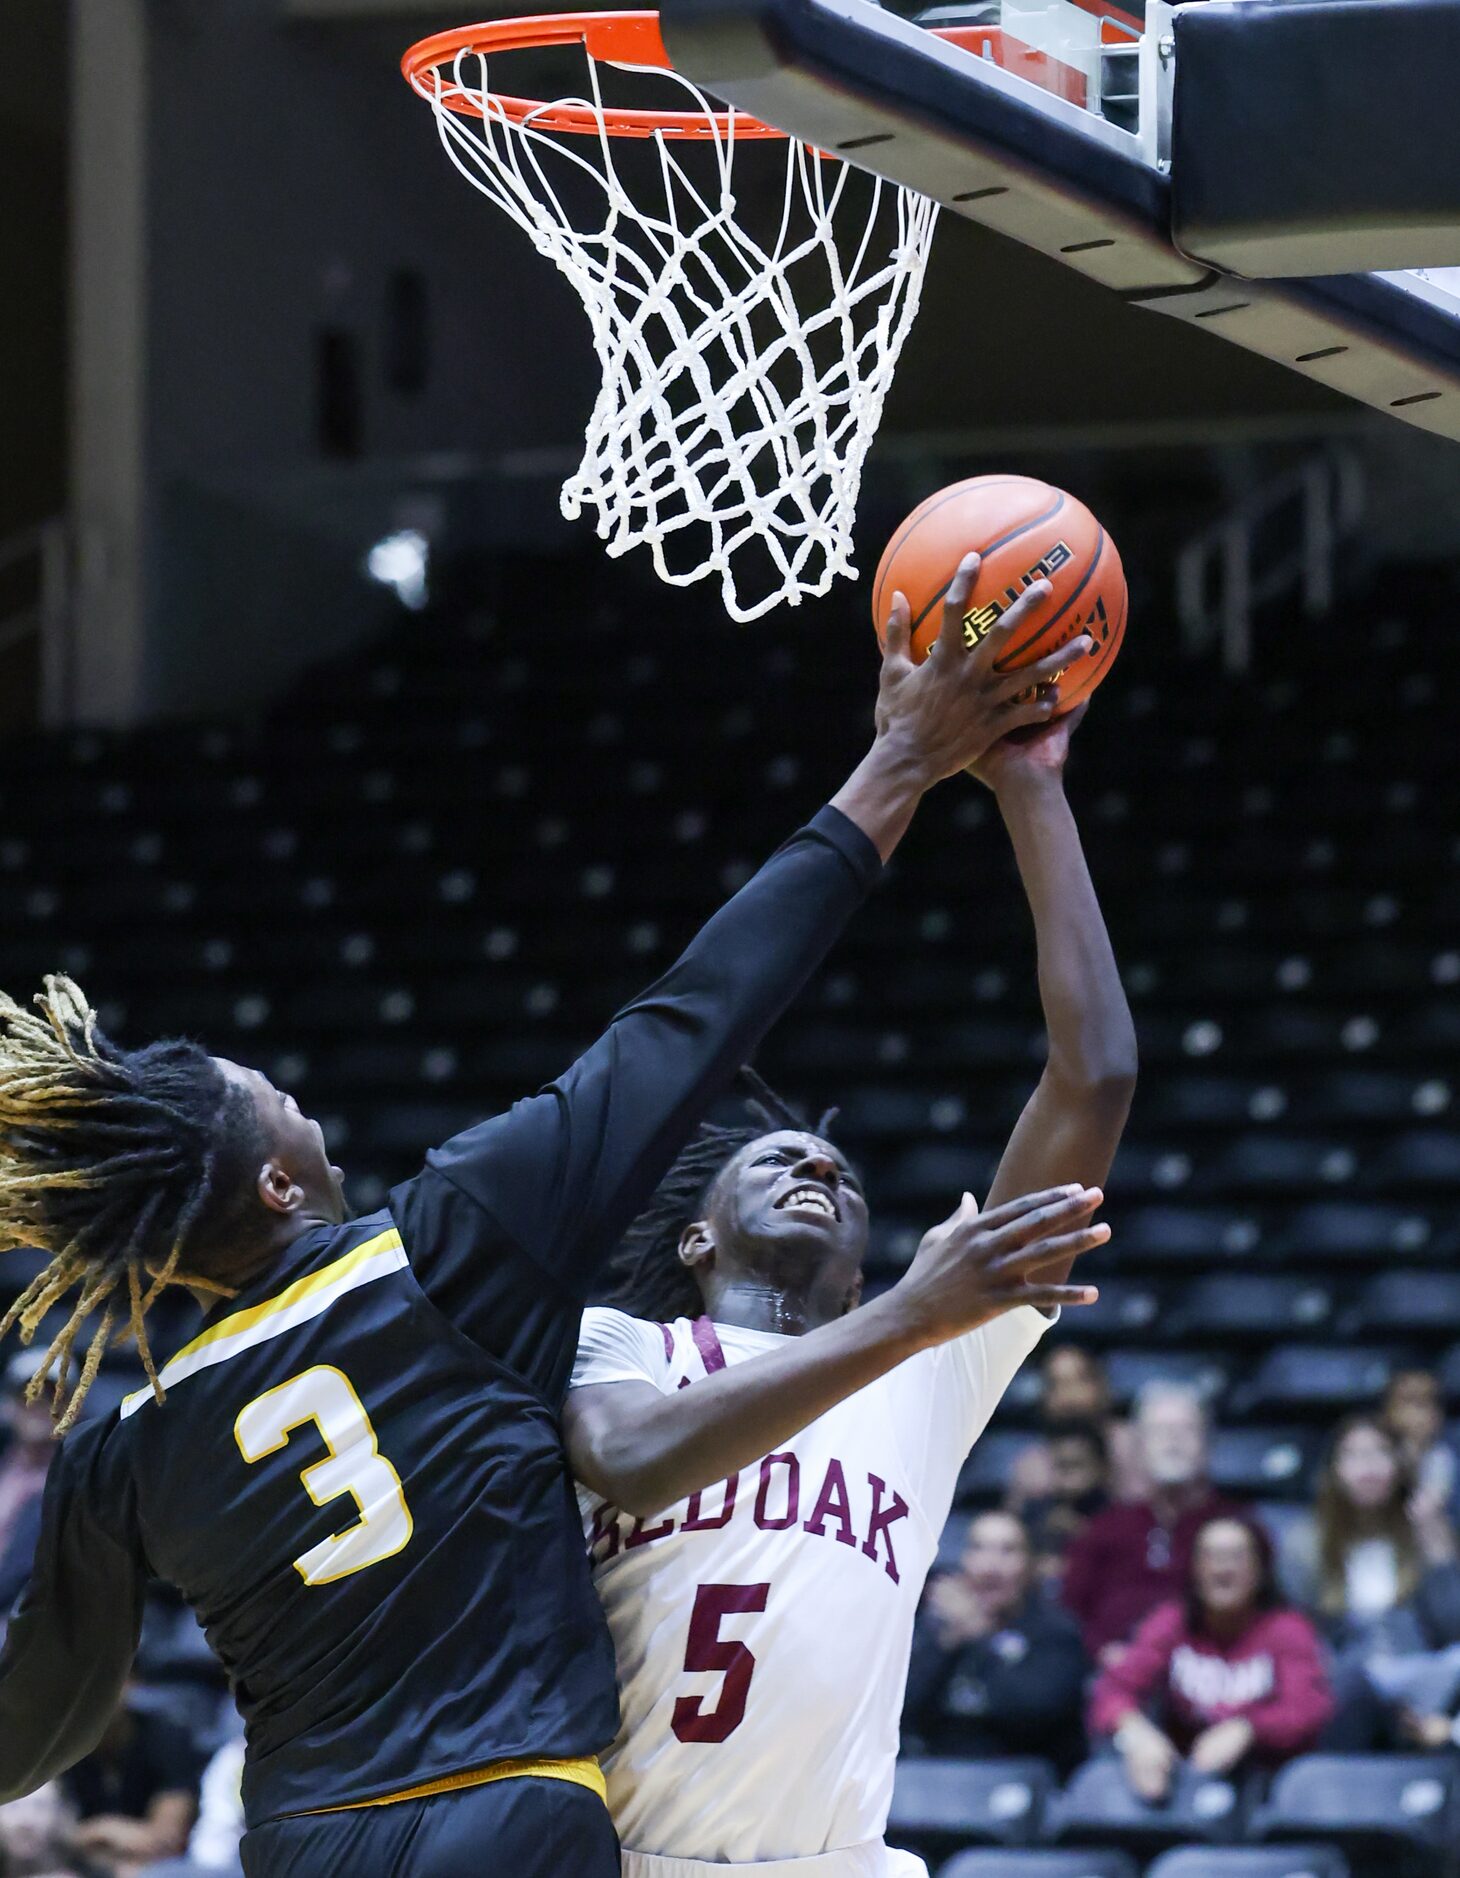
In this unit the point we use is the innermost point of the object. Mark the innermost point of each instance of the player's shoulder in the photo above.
(615, 1346)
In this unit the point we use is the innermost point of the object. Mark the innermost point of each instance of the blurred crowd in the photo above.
(1117, 1602)
(1114, 1602)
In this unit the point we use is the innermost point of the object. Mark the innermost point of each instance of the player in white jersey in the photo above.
(765, 1469)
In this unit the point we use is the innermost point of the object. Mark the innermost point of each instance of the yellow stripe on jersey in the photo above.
(296, 1304)
(585, 1773)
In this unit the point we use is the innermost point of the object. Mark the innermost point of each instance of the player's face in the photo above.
(295, 1141)
(1226, 1566)
(788, 1205)
(996, 1559)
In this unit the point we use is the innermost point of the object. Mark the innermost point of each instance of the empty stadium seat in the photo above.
(1099, 1807)
(1064, 1864)
(1403, 1303)
(1251, 1305)
(1398, 1806)
(1322, 1379)
(1251, 1861)
(1263, 1463)
(980, 1802)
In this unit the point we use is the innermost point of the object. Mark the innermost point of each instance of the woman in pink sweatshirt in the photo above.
(1226, 1676)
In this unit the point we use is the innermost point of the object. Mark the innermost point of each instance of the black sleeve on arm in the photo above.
(71, 1641)
(510, 1220)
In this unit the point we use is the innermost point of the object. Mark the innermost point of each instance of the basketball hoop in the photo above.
(743, 377)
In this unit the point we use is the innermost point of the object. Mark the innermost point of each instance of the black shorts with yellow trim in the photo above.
(519, 1819)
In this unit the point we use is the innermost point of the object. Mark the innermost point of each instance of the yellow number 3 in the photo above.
(356, 1466)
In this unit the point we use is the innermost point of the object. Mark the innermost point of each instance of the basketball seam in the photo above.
(993, 547)
(1108, 650)
(986, 482)
(1055, 617)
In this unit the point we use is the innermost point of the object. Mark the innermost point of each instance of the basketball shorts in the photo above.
(530, 1828)
(873, 1860)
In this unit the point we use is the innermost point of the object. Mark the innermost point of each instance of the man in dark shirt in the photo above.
(354, 1472)
(996, 1670)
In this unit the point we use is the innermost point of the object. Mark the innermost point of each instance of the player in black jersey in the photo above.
(354, 1472)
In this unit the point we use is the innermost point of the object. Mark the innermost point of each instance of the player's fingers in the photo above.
(1045, 671)
(1027, 1203)
(955, 605)
(897, 634)
(1036, 705)
(1048, 1297)
(1044, 1253)
(1045, 1222)
(996, 641)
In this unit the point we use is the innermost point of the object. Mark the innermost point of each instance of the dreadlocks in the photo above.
(117, 1163)
(649, 1278)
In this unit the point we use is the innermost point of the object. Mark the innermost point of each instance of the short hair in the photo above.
(1170, 1388)
(647, 1277)
(125, 1166)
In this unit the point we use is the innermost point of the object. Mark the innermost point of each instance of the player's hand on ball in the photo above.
(946, 712)
(1037, 750)
(976, 1266)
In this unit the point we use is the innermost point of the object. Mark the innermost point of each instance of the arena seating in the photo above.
(1249, 1861)
(999, 1802)
(1098, 1807)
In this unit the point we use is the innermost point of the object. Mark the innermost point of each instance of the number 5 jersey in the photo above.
(763, 1626)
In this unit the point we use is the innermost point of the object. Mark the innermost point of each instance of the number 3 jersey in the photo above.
(763, 1626)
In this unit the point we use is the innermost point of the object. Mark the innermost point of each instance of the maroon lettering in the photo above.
(640, 1534)
(793, 1493)
(694, 1514)
(833, 1502)
(881, 1523)
(706, 1649)
(605, 1534)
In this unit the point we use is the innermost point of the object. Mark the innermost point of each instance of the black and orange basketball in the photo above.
(1025, 530)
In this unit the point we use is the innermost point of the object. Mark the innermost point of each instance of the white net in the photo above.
(743, 380)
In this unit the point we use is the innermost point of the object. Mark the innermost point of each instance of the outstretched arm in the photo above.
(642, 1450)
(1073, 1122)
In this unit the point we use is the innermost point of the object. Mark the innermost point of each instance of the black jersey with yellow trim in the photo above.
(356, 1478)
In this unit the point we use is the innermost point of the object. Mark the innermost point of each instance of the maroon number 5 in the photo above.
(707, 1649)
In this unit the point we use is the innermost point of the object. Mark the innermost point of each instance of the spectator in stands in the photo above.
(36, 1834)
(1079, 1472)
(214, 1845)
(1074, 1389)
(135, 1793)
(996, 1669)
(1223, 1677)
(1414, 1414)
(29, 1445)
(1130, 1559)
(1378, 1562)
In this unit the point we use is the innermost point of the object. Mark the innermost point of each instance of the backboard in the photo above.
(1081, 169)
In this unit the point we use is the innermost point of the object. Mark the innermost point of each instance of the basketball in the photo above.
(1024, 530)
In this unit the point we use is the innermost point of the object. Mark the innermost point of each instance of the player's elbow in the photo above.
(1101, 1081)
(622, 1472)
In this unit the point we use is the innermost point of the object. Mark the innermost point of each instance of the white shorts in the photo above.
(873, 1860)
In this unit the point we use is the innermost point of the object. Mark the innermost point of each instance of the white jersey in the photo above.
(763, 1627)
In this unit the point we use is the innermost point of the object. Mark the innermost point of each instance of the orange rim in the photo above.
(615, 38)
(635, 39)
